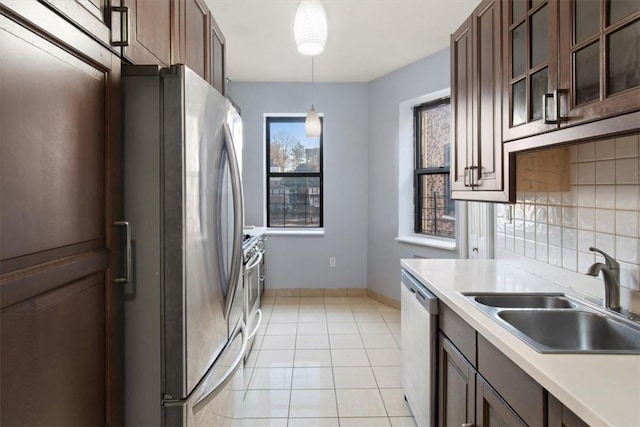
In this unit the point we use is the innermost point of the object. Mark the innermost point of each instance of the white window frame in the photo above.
(406, 147)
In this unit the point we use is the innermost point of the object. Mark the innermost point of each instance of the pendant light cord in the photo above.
(312, 93)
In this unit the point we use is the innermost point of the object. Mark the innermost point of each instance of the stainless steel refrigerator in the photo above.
(184, 333)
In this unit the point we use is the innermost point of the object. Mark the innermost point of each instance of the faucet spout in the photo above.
(611, 283)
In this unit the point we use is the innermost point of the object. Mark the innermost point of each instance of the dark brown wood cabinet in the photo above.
(538, 73)
(91, 15)
(492, 410)
(561, 416)
(457, 379)
(599, 72)
(152, 31)
(476, 78)
(569, 62)
(195, 38)
(165, 32)
(530, 68)
(61, 174)
(217, 65)
(478, 384)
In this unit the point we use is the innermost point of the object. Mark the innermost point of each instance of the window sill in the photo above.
(430, 242)
(294, 232)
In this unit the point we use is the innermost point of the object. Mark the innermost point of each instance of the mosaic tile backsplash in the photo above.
(601, 209)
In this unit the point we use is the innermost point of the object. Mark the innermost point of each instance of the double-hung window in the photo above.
(294, 175)
(434, 210)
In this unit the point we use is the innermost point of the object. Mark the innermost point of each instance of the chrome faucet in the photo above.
(611, 275)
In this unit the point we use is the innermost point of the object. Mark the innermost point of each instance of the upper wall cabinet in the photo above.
(599, 59)
(530, 66)
(90, 15)
(569, 62)
(476, 76)
(152, 31)
(165, 32)
(217, 65)
(195, 51)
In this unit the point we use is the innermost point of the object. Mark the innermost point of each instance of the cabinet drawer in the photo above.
(459, 333)
(515, 386)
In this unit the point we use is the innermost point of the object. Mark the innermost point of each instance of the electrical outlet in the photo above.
(332, 262)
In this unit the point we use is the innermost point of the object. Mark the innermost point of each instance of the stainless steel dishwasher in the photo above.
(419, 325)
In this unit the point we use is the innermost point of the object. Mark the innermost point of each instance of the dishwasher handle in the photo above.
(424, 296)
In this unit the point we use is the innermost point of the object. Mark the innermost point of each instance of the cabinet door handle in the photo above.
(127, 269)
(467, 425)
(556, 101)
(474, 176)
(545, 116)
(124, 26)
(555, 96)
(466, 176)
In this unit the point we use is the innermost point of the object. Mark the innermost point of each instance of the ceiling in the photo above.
(366, 38)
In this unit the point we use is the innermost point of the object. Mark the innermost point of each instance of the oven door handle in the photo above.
(255, 330)
(254, 261)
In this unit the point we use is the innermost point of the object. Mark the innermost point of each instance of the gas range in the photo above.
(251, 244)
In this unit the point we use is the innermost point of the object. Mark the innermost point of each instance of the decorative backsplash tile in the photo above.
(601, 209)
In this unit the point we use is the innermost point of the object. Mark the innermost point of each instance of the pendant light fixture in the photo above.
(312, 124)
(310, 27)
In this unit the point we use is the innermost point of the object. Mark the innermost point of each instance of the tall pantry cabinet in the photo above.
(62, 240)
(60, 195)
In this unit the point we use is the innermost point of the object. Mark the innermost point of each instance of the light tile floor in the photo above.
(326, 362)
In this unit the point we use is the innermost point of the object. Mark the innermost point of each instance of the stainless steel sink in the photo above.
(573, 331)
(557, 323)
(524, 300)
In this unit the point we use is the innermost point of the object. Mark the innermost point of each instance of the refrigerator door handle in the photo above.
(221, 384)
(236, 185)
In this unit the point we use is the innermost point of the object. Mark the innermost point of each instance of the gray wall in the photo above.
(422, 77)
(360, 177)
(303, 261)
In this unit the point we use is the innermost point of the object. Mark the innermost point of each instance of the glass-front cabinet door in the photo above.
(599, 58)
(530, 66)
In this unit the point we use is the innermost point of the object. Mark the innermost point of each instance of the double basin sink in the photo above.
(557, 323)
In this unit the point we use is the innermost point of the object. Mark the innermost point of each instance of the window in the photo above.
(434, 210)
(294, 175)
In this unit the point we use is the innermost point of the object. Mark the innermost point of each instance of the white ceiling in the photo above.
(366, 38)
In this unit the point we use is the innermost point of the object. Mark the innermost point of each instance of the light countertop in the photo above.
(601, 389)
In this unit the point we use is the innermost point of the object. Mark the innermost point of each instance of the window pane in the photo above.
(618, 9)
(539, 37)
(435, 125)
(519, 102)
(538, 88)
(290, 150)
(438, 210)
(518, 50)
(588, 73)
(517, 9)
(535, 3)
(587, 19)
(623, 70)
(294, 202)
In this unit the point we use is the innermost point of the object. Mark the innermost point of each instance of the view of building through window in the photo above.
(294, 175)
(434, 209)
